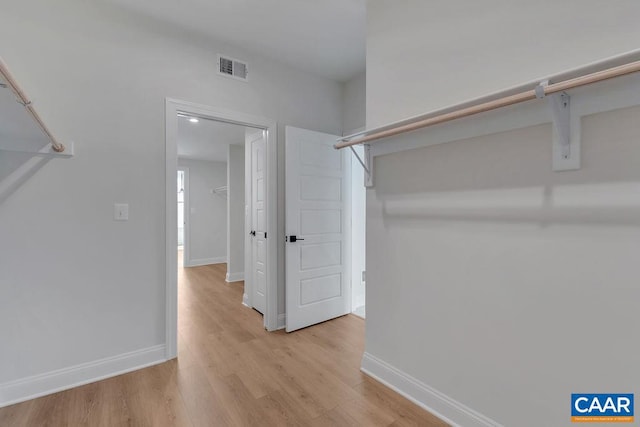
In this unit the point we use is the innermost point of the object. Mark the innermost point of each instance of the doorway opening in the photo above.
(229, 183)
(209, 153)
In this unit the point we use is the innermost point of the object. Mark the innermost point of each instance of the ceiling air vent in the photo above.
(232, 68)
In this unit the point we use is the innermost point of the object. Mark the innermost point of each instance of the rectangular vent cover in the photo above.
(232, 68)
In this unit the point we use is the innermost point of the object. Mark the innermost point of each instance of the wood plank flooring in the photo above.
(231, 372)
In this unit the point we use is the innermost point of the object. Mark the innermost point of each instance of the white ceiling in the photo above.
(207, 139)
(326, 37)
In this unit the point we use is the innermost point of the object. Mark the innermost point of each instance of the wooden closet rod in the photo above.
(505, 101)
(24, 100)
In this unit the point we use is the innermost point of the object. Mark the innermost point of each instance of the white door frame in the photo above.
(186, 256)
(172, 107)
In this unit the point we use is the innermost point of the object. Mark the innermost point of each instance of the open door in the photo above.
(258, 221)
(318, 223)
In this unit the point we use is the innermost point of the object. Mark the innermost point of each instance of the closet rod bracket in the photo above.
(367, 164)
(560, 107)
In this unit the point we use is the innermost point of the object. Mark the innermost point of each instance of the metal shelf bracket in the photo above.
(367, 164)
(566, 150)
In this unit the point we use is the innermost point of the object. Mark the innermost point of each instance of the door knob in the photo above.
(293, 239)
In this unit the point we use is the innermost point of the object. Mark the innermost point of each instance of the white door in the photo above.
(258, 223)
(318, 229)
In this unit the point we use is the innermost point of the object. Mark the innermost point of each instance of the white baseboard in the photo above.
(205, 261)
(235, 277)
(439, 404)
(51, 382)
(282, 321)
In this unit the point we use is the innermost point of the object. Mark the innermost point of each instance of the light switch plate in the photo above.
(121, 212)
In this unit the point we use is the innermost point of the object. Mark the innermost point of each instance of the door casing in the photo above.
(172, 107)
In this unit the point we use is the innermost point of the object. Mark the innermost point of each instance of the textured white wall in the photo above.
(76, 286)
(207, 237)
(236, 231)
(490, 278)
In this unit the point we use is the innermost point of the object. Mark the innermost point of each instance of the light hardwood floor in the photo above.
(230, 371)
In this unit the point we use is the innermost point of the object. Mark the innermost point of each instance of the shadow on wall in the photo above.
(16, 169)
(507, 178)
(23, 136)
(490, 276)
(595, 204)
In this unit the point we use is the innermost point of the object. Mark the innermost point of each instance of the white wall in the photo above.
(207, 212)
(235, 229)
(491, 279)
(423, 56)
(354, 100)
(76, 286)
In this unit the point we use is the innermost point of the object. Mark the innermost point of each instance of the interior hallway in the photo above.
(230, 371)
